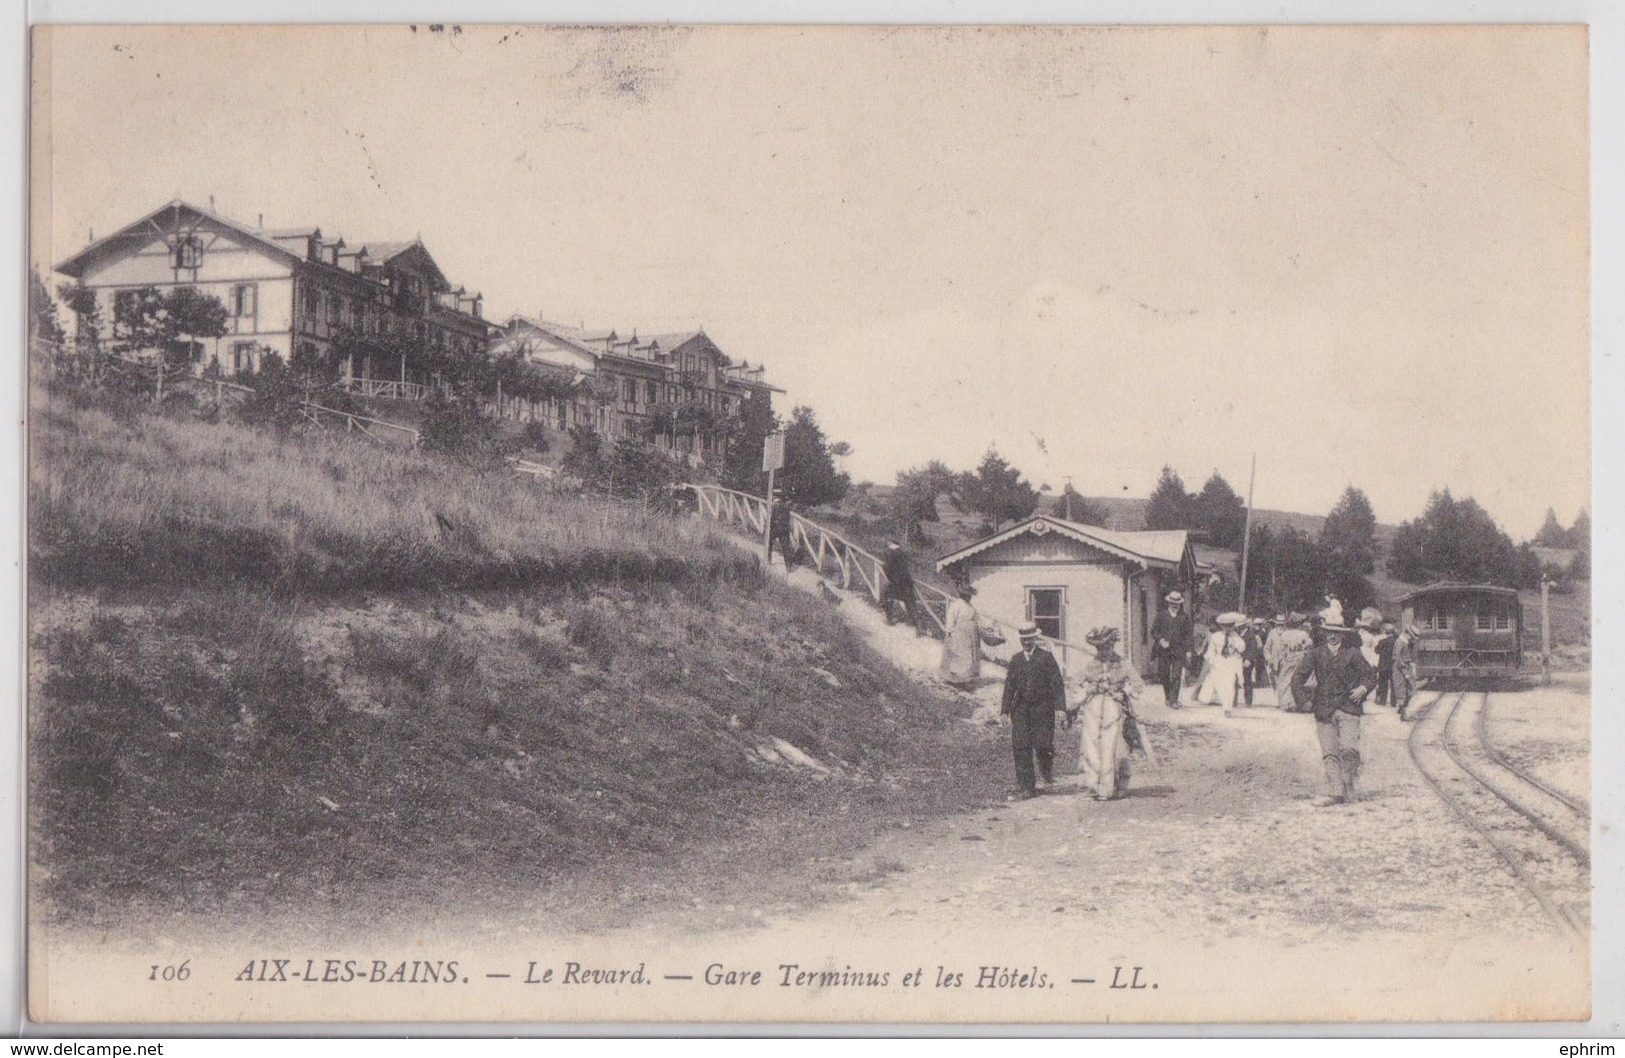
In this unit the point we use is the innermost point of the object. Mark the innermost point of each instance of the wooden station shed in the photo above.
(1069, 578)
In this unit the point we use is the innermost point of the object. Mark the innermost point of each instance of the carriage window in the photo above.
(1484, 620)
(1503, 620)
(1044, 610)
(1436, 621)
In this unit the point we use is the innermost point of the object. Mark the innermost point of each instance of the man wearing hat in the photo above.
(1286, 648)
(1254, 669)
(1172, 635)
(1107, 690)
(899, 586)
(778, 530)
(1033, 694)
(1343, 677)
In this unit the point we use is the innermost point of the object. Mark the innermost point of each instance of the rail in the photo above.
(539, 471)
(833, 555)
(386, 389)
(354, 423)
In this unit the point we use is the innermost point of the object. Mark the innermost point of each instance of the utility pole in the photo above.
(1545, 630)
(1067, 495)
(1247, 536)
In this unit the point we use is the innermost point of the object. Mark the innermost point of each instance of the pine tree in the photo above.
(997, 491)
(1350, 531)
(1170, 506)
(809, 476)
(1220, 513)
(1552, 533)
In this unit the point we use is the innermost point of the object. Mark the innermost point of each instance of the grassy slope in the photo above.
(264, 676)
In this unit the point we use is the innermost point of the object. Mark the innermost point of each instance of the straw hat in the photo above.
(1230, 619)
(1173, 596)
(1028, 631)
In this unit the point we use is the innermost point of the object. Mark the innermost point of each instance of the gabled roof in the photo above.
(1459, 588)
(1158, 549)
(388, 251)
(668, 342)
(144, 229)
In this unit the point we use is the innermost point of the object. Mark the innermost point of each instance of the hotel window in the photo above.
(188, 252)
(335, 307)
(629, 390)
(651, 391)
(244, 299)
(242, 356)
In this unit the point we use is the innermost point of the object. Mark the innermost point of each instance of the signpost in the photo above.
(772, 461)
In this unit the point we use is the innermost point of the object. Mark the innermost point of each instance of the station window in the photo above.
(1046, 609)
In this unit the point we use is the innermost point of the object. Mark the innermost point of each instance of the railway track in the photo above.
(1540, 832)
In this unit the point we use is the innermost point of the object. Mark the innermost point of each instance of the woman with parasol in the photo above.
(1108, 688)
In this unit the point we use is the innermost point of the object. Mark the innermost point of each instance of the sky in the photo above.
(1358, 254)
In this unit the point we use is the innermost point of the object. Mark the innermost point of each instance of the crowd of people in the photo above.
(1310, 664)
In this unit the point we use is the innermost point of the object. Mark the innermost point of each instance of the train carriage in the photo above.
(1471, 630)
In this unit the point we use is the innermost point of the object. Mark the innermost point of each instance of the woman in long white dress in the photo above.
(1224, 656)
(962, 641)
(1108, 687)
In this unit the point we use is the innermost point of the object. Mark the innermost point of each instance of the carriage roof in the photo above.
(1449, 588)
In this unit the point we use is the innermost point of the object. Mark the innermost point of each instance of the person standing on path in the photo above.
(1343, 677)
(899, 586)
(1385, 662)
(778, 530)
(1108, 688)
(962, 641)
(1033, 694)
(1404, 670)
(1224, 654)
(1254, 669)
(1172, 638)
(1287, 647)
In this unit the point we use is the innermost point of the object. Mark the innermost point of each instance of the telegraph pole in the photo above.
(1247, 536)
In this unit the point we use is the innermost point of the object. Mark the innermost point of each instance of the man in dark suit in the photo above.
(1343, 677)
(778, 531)
(899, 586)
(1171, 640)
(1033, 694)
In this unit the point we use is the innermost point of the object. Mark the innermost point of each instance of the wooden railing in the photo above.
(849, 565)
(539, 471)
(354, 423)
(385, 389)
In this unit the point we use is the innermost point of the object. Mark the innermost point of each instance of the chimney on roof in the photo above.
(262, 220)
(211, 203)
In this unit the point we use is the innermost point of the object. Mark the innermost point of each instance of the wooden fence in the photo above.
(852, 567)
(385, 389)
(377, 429)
